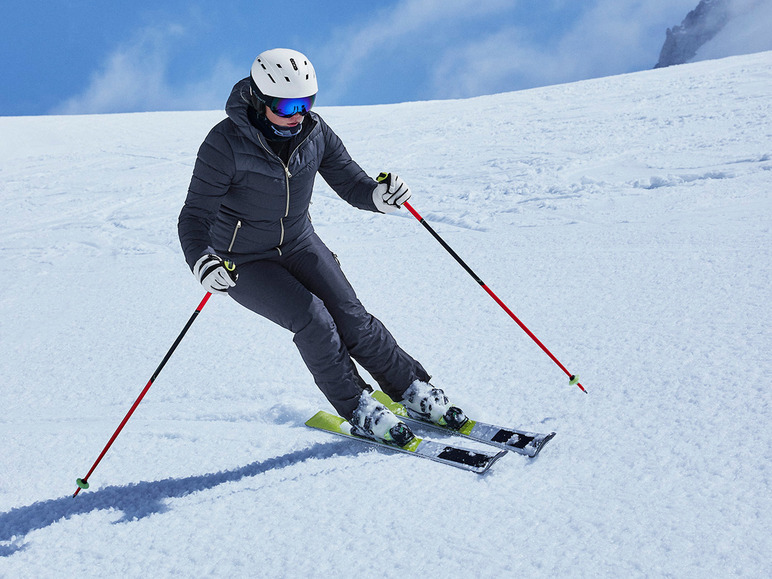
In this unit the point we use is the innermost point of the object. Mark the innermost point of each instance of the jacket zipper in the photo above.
(287, 181)
(287, 174)
(235, 233)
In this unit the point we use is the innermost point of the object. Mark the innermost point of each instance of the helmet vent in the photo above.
(273, 81)
(292, 62)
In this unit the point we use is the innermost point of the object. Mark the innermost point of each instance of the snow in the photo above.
(626, 220)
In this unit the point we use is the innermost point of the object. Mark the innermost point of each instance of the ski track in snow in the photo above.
(625, 220)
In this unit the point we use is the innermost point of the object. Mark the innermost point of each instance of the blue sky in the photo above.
(89, 56)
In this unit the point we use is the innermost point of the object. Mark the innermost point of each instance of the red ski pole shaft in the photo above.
(83, 482)
(572, 378)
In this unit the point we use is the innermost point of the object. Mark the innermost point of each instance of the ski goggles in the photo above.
(289, 107)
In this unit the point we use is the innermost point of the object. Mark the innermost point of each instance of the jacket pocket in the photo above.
(235, 234)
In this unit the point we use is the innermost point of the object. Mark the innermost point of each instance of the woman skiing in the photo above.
(247, 205)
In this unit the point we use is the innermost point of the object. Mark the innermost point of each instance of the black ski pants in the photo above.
(306, 292)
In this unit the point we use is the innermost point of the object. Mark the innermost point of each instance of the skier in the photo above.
(247, 205)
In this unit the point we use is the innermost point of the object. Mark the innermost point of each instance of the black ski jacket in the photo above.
(244, 203)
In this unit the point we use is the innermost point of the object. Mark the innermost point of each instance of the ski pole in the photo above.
(572, 379)
(83, 482)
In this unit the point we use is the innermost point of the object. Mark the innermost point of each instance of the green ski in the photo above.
(475, 461)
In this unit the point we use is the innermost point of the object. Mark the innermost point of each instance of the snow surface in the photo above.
(625, 220)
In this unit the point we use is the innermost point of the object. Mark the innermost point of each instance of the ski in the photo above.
(475, 461)
(519, 441)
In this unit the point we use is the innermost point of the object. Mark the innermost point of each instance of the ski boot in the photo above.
(425, 402)
(373, 420)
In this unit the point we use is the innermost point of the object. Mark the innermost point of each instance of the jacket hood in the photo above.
(237, 106)
(238, 101)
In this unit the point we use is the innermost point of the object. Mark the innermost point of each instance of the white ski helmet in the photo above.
(283, 73)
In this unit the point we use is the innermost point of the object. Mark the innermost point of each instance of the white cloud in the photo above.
(610, 37)
(135, 77)
(465, 48)
(747, 30)
(395, 32)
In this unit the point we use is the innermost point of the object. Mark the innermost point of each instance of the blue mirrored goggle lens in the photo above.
(290, 107)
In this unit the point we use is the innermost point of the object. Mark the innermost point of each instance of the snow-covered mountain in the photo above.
(719, 28)
(626, 220)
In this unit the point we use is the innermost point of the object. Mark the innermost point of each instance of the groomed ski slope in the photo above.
(625, 220)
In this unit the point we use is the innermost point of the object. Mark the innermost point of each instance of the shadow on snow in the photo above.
(140, 500)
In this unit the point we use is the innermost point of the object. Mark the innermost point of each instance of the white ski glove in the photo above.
(390, 193)
(215, 274)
